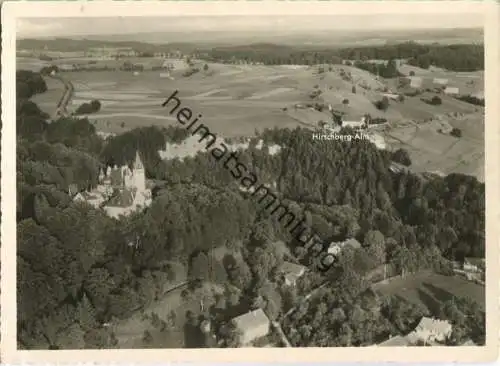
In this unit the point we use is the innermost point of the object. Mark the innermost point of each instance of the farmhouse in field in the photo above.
(252, 325)
(292, 272)
(355, 122)
(439, 81)
(415, 81)
(391, 96)
(174, 64)
(377, 140)
(66, 67)
(451, 90)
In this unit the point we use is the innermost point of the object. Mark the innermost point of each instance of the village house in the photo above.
(252, 325)
(474, 264)
(431, 330)
(66, 67)
(292, 272)
(355, 122)
(391, 96)
(336, 247)
(93, 199)
(377, 140)
(450, 90)
(174, 64)
(415, 82)
(440, 81)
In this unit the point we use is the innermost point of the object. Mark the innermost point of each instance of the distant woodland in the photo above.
(77, 268)
(455, 57)
(464, 57)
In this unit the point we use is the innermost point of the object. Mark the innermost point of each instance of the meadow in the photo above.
(430, 290)
(130, 332)
(236, 100)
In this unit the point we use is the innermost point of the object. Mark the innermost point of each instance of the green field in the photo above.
(434, 151)
(235, 100)
(430, 290)
(130, 331)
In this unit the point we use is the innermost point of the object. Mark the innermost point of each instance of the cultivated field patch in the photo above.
(433, 151)
(430, 290)
(209, 93)
(238, 99)
(32, 64)
(130, 331)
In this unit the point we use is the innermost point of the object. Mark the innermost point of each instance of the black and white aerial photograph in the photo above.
(250, 181)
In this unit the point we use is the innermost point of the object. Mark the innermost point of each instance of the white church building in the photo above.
(121, 190)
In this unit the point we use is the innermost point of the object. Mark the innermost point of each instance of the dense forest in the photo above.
(78, 268)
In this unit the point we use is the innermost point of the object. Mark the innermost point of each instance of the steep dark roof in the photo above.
(116, 177)
(124, 198)
(138, 163)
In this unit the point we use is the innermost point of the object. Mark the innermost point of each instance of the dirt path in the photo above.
(65, 97)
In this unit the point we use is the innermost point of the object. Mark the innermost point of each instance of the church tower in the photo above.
(139, 173)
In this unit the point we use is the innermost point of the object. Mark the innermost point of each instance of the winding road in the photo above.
(66, 96)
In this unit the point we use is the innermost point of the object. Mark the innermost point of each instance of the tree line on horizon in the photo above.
(456, 57)
(453, 57)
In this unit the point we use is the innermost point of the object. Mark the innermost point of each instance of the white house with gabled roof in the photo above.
(252, 325)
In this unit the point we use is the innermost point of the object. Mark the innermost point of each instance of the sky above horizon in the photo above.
(67, 27)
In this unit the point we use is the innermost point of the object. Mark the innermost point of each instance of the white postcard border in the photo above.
(13, 10)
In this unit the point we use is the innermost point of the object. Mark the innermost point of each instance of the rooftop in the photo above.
(451, 89)
(292, 268)
(251, 319)
(124, 198)
(138, 162)
(116, 177)
(440, 81)
(439, 326)
(395, 342)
